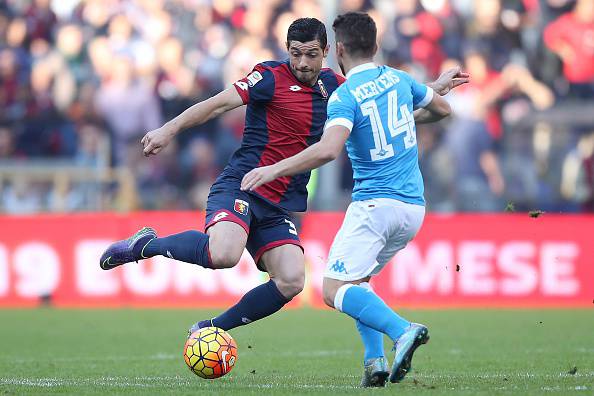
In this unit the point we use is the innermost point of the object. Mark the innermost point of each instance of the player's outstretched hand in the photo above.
(257, 177)
(156, 140)
(449, 80)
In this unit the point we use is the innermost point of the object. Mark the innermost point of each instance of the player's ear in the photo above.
(326, 50)
(287, 44)
(339, 48)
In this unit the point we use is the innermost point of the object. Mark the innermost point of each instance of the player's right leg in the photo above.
(227, 225)
(127, 250)
(221, 247)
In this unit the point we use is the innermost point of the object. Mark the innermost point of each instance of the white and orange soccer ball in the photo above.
(210, 352)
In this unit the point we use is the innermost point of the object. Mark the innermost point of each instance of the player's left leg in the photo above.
(285, 264)
(275, 247)
(361, 303)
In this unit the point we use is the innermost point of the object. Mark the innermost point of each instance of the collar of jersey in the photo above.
(360, 68)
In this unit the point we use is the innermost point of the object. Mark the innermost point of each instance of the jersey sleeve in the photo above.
(422, 94)
(258, 86)
(341, 110)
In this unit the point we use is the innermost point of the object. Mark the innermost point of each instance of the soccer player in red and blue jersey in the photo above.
(286, 111)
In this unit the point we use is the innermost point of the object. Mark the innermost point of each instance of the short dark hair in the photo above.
(357, 32)
(307, 29)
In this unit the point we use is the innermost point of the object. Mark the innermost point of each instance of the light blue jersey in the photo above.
(376, 104)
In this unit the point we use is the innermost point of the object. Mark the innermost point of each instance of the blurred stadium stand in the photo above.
(82, 81)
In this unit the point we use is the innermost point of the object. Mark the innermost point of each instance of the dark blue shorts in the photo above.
(267, 225)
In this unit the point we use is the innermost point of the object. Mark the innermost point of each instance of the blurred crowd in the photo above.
(77, 73)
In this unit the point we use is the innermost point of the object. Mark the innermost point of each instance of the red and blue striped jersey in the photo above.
(283, 118)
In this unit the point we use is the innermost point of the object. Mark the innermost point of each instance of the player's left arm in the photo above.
(449, 80)
(429, 106)
(316, 155)
(436, 110)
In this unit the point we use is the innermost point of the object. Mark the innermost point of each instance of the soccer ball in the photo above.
(210, 352)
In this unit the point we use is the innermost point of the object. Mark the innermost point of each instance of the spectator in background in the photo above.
(577, 183)
(48, 133)
(12, 87)
(416, 38)
(452, 26)
(7, 149)
(101, 57)
(69, 50)
(93, 147)
(198, 167)
(16, 37)
(128, 105)
(487, 32)
(571, 37)
(41, 20)
(175, 81)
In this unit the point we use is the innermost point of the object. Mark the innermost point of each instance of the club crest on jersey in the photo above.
(323, 89)
(241, 207)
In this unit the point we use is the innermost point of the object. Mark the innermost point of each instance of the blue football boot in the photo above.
(375, 373)
(404, 348)
(128, 250)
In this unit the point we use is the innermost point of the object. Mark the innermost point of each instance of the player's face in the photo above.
(306, 60)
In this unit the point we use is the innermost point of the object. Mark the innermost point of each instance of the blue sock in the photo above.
(373, 341)
(188, 246)
(364, 305)
(258, 303)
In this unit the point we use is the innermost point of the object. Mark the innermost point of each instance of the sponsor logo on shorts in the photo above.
(220, 216)
(241, 207)
(338, 266)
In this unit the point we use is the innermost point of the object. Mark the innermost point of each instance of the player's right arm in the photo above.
(256, 87)
(157, 139)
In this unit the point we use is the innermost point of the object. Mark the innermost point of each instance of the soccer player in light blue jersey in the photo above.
(373, 112)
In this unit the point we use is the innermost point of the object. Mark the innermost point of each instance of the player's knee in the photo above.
(329, 289)
(292, 285)
(329, 295)
(221, 258)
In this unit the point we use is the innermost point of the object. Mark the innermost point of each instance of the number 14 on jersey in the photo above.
(403, 125)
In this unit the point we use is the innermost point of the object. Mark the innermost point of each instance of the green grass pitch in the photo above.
(471, 352)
